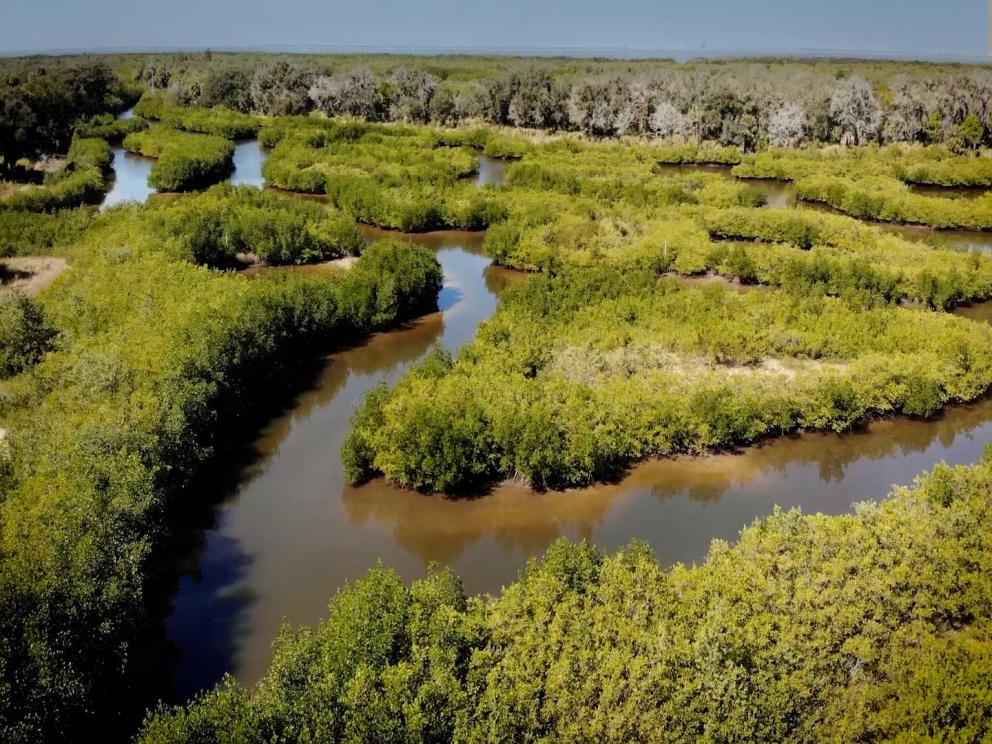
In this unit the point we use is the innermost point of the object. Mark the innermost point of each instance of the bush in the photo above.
(81, 181)
(28, 233)
(579, 374)
(109, 127)
(145, 382)
(185, 161)
(215, 226)
(218, 121)
(25, 335)
(756, 643)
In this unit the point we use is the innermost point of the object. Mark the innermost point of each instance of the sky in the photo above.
(903, 27)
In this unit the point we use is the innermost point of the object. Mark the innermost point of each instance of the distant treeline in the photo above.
(746, 103)
(749, 104)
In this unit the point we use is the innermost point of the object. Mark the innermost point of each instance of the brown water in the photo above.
(290, 532)
(492, 171)
(948, 192)
(781, 194)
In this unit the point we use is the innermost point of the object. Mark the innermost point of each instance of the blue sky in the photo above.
(907, 27)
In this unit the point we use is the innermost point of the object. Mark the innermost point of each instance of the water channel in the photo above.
(781, 195)
(288, 532)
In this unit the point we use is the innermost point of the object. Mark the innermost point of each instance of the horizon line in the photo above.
(629, 52)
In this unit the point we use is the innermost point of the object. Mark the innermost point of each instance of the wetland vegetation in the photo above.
(631, 201)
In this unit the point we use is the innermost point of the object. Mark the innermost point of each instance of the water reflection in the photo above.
(677, 505)
(492, 171)
(130, 178)
(249, 157)
(284, 520)
(948, 192)
(980, 312)
(959, 240)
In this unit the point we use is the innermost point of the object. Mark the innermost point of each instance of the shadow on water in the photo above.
(221, 611)
(678, 505)
(288, 531)
(295, 531)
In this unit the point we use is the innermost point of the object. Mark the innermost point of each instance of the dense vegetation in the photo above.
(226, 224)
(219, 121)
(25, 336)
(25, 233)
(81, 180)
(107, 429)
(744, 103)
(41, 101)
(185, 161)
(388, 176)
(577, 375)
(118, 383)
(868, 627)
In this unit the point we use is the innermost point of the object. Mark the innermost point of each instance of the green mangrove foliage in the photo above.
(801, 250)
(873, 626)
(610, 173)
(82, 180)
(109, 127)
(874, 183)
(225, 222)
(219, 121)
(933, 166)
(388, 176)
(600, 360)
(578, 374)
(27, 233)
(25, 335)
(889, 200)
(105, 432)
(185, 161)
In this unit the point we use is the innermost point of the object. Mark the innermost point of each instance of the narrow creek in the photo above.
(781, 195)
(288, 532)
(130, 179)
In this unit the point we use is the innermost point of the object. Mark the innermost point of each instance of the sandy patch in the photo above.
(31, 274)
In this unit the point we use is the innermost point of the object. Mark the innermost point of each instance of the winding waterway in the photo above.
(782, 195)
(291, 532)
(288, 532)
(130, 179)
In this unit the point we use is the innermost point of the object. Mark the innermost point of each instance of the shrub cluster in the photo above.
(82, 180)
(25, 335)
(889, 200)
(873, 626)
(579, 374)
(106, 433)
(387, 176)
(185, 161)
(215, 226)
(109, 127)
(219, 121)
(31, 233)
